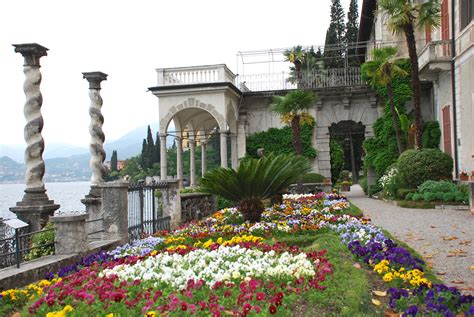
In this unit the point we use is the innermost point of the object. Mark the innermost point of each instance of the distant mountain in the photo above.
(131, 143)
(68, 162)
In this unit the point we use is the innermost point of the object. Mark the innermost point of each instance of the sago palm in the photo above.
(295, 103)
(380, 71)
(255, 180)
(404, 16)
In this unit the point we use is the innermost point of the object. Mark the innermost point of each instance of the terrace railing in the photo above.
(194, 75)
(15, 249)
(323, 78)
(145, 210)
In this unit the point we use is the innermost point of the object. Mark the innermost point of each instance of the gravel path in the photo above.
(445, 238)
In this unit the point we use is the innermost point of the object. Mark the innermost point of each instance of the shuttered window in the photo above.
(445, 20)
(467, 12)
(447, 130)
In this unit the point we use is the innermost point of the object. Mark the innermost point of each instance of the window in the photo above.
(467, 12)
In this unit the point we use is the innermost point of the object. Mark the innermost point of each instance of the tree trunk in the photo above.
(296, 129)
(251, 209)
(297, 64)
(394, 118)
(415, 82)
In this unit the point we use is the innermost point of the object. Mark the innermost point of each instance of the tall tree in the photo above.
(333, 50)
(296, 57)
(294, 104)
(381, 70)
(113, 161)
(404, 17)
(352, 29)
(157, 157)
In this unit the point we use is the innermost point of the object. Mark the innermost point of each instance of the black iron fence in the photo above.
(17, 246)
(145, 209)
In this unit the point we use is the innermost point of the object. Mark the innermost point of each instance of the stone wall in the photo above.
(196, 206)
(310, 188)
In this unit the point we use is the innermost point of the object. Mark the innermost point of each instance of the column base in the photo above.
(35, 208)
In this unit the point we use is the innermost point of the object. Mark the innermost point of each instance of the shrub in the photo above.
(374, 189)
(461, 197)
(429, 196)
(409, 196)
(313, 178)
(224, 203)
(39, 243)
(402, 193)
(336, 151)
(364, 184)
(345, 176)
(431, 135)
(417, 197)
(450, 196)
(418, 166)
(433, 186)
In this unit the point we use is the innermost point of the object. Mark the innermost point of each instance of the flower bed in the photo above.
(223, 266)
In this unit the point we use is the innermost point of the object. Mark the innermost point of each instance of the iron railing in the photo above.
(16, 248)
(323, 78)
(145, 209)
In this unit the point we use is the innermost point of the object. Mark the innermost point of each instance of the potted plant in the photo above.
(463, 176)
(346, 186)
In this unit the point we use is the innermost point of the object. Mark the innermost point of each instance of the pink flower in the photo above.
(260, 296)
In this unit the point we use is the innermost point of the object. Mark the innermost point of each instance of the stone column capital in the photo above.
(94, 79)
(32, 53)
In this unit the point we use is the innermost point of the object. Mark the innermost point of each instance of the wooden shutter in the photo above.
(445, 20)
(447, 130)
(428, 35)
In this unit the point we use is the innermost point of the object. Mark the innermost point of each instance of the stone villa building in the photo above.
(451, 47)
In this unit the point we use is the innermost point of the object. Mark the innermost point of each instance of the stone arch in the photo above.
(191, 103)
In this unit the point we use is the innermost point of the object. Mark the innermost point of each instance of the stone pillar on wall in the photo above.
(203, 158)
(163, 162)
(115, 211)
(192, 163)
(223, 149)
(70, 233)
(324, 156)
(172, 204)
(179, 158)
(241, 136)
(233, 151)
(35, 207)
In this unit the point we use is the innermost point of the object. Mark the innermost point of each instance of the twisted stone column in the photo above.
(203, 158)
(223, 149)
(163, 162)
(192, 163)
(96, 145)
(35, 206)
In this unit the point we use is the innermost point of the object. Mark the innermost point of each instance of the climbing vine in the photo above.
(279, 141)
(381, 150)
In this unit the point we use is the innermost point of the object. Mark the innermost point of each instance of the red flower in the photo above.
(247, 307)
(260, 296)
(272, 309)
(184, 306)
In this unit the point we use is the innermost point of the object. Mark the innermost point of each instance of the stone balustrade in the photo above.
(194, 75)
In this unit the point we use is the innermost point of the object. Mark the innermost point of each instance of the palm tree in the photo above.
(294, 104)
(380, 71)
(403, 17)
(295, 56)
(255, 180)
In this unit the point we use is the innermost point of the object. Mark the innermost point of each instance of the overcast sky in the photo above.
(128, 40)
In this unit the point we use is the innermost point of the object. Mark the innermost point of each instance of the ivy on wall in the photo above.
(381, 150)
(279, 141)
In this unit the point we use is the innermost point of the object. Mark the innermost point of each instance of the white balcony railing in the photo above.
(194, 75)
(435, 52)
(324, 78)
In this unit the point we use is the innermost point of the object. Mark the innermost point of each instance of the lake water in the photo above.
(68, 195)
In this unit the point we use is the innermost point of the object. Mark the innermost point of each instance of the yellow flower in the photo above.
(67, 308)
(154, 252)
(388, 277)
(110, 315)
(151, 314)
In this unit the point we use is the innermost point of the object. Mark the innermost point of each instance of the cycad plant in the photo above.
(255, 180)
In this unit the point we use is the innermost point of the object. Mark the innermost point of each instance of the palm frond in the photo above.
(256, 178)
(429, 15)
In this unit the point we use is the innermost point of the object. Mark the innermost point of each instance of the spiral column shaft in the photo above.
(35, 206)
(96, 145)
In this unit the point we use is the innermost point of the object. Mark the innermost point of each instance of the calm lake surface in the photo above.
(68, 195)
